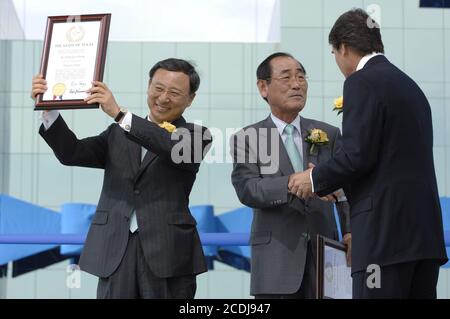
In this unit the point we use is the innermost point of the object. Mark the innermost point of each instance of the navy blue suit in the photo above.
(387, 170)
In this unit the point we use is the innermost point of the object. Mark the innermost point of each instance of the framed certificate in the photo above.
(333, 276)
(73, 56)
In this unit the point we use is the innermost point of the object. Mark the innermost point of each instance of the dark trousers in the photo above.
(307, 288)
(411, 280)
(134, 279)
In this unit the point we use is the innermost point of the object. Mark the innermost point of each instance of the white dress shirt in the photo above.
(49, 117)
(365, 59)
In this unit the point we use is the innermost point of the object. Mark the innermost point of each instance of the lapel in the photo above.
(134, 153)
(307, 125)
(149, 156)
(285, 163)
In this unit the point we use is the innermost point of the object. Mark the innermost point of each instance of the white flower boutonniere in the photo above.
(339, 105)
(169, 127)
(316, 137)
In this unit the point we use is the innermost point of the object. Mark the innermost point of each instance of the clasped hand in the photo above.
(299, 184)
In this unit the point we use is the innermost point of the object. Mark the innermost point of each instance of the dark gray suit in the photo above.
(282, 224)
(158, 189)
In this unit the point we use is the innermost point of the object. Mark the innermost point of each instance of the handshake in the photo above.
(300, 185)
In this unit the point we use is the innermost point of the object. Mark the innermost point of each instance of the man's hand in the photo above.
(38, 86)
(101, 94)
(333, 197)
(327, 198)
(347, 240)
(299, 184)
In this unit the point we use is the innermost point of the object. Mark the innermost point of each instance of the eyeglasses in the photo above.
(173, 95)
(286, 79)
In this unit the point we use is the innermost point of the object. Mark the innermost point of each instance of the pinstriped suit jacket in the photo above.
(158, 189)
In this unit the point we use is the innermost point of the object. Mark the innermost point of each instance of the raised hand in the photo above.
(101, 94)
(38, 86)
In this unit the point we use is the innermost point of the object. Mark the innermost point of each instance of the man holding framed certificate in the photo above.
(333, 274)
(142, 242)
(74, 54)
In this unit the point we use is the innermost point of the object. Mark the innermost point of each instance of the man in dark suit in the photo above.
(386, 167)
(266, 155)
(142, 242)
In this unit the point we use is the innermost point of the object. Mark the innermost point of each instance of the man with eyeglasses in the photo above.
(142, 242)
(284, 227)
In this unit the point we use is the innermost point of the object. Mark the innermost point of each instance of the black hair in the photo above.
(179, 65)
(264, 70)
(356, 29)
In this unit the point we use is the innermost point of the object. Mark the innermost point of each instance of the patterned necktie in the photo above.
(291, 148)
(133, 219)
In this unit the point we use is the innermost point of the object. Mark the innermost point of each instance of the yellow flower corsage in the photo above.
(316, 137)
(169, 127)
(339, 105)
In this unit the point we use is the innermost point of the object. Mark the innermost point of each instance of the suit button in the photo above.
(137, 192)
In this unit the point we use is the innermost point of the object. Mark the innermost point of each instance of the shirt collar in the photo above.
(280, 124)
(365, 59)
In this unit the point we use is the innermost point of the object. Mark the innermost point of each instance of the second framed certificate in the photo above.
(73, 56)
(333, 275)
